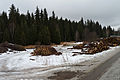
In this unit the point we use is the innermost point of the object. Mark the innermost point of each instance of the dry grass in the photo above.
(30, 47)
(68, 43)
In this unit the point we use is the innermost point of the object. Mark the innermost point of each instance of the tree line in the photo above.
(38, 28)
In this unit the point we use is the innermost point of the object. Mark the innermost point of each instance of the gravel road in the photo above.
(99, 71)
(113, 73)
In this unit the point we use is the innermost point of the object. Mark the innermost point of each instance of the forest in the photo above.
(40, 28)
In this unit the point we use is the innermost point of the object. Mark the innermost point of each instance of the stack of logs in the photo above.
(5, 46)
(45, 51)
(98, 46)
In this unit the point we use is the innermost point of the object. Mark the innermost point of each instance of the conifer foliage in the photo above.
(31, 28)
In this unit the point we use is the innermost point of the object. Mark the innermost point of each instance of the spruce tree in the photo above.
(30, 28)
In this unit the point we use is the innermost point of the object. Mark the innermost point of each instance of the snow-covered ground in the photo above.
(20, 60)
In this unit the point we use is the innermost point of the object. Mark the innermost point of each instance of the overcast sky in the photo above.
(107, 12)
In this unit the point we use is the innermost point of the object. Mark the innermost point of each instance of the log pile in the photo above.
(45, 51)
(80, 46)
(4, 47)
(98, 46)
(111, 41)
(95, 48)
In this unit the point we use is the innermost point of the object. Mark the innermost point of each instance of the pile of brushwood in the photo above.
(98, 45)
(5, 46)
(45, 51)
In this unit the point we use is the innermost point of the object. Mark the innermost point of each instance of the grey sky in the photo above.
(107, 12)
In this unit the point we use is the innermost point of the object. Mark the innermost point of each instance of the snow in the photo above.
(19, 60)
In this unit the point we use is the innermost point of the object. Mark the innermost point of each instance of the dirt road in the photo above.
(96, 73)
(113, 73)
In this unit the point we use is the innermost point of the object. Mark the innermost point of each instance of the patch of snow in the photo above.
(18, 60)
(78, 43)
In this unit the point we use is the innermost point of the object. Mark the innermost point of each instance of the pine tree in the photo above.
(37, 19)
(6, 36)
(104, 32)
(3, 25)
(30, 28)
(12, 22)
(45, 39)
(45, 17)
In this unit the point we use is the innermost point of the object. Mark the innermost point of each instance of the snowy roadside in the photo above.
(23, 61)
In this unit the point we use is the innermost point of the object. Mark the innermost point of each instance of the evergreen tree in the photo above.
(104, 32)
(45, 39)
(12, 22)
(45, 16)
(3, 26)
(30, 28)
(6, 36)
